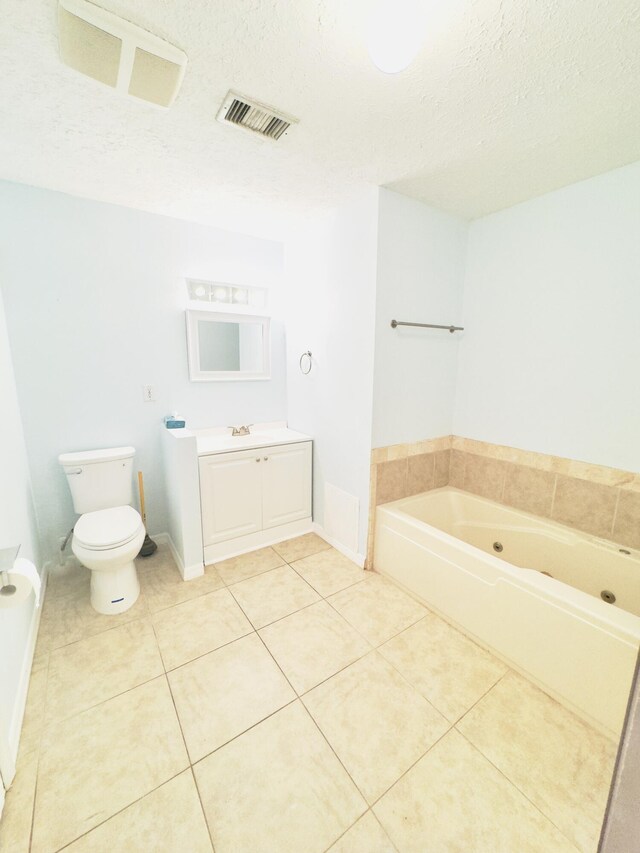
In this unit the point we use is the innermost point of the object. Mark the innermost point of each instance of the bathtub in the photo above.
(480, 565)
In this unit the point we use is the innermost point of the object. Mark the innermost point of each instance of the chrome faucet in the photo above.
(241, 430)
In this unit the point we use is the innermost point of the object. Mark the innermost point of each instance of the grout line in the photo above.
(324, 737)
(237, 736)
(280, 618)
(516, 787)
(175, 710)
(413, 764)
(204, 814)
(369, 651)
(615, 511)
(553, 496)
(480, 698)
(248, 633)
(123, 809)
(38, 751)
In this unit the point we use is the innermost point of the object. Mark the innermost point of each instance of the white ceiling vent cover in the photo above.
(118, 53)
(254, 116)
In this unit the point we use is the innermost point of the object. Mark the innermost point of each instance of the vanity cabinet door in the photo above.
(286, 483)
(231, 495)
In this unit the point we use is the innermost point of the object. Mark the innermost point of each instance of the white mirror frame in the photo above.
(193, 347)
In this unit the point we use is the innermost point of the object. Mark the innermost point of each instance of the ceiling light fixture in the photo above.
(396, 34)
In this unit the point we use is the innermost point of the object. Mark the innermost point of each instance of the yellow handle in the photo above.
(141, 490)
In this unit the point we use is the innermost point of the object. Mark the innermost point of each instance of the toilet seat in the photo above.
(107, 528)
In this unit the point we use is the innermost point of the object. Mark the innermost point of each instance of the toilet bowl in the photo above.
(107, 542)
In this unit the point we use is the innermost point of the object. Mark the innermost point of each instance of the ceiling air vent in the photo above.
(118, 53)
(254, 116)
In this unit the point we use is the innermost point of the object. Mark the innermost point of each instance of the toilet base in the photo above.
(114, 591)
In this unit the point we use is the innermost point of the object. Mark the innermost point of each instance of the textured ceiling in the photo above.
(506, 101)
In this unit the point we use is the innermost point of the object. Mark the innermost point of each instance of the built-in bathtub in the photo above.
(480, 565)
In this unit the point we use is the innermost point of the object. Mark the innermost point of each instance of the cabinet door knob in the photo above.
(258, 459)
(266, 458)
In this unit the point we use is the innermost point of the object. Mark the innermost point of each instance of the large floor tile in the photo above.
(70, 617)
(300, 547)
(377, 608)
(272, 595)
(313, 645)
(15, 826)
(561, 764)
(163, 586)
(167, 820)
(453, 799)
(277, 789)
(450, 670)
(377, 724)
(69, 578)
(225, 692)
(198, 626)
(365, 836)
(34, 713)
(100, 761)
(329, 571)
(85, 673)
(245, 566)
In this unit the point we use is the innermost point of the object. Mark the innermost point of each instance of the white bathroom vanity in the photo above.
(228, 494)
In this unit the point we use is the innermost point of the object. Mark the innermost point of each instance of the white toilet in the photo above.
(109, 533)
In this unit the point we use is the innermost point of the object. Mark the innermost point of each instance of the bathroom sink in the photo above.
(224, 443)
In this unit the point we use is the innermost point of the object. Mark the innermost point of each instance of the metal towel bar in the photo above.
(452, 329)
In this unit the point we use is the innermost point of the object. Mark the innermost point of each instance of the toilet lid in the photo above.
(107, 528)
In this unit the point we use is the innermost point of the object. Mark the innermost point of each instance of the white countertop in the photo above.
(267, 435)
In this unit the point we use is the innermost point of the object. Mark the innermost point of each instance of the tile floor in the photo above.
(287, 701)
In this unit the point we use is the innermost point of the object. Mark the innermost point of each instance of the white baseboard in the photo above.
(188, 573)
(358, 559)
(17, 717)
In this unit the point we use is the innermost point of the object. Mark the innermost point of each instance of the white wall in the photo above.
(17, 527)
(421, 262)
(95, 300)
(550, 358)
(331, 278)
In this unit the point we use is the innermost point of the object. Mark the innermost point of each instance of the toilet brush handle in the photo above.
(141, 490)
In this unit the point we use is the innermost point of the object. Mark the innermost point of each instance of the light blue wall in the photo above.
(550, 357)
(95, 300)
(421, 263)
(331, 273)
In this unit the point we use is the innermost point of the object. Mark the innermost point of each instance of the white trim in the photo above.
(356, 558)
(260, 539)
(9, 749)
(197, 374)
(188, 573)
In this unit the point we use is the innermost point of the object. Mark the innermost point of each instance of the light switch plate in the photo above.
(149, 393)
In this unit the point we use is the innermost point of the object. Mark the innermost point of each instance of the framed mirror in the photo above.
(223, 347)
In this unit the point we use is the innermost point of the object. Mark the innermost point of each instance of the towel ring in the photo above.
(308, 364)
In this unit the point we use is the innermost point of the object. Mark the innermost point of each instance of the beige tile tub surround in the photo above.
(601, 501)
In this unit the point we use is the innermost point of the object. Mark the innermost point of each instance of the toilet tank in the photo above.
(99, 479)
